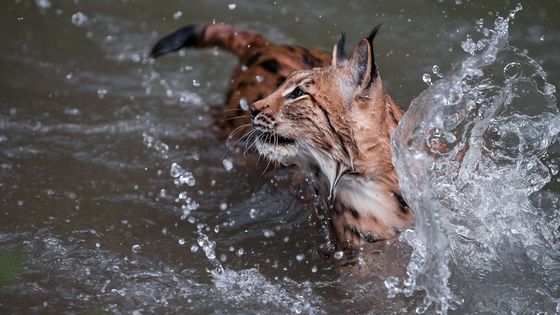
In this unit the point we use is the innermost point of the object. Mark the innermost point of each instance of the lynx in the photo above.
(329, 115)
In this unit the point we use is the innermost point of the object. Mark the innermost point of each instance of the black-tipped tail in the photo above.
(187, 36)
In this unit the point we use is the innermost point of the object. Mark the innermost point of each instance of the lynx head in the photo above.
(324, 118)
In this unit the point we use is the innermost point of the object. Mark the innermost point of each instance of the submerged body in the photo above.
(326, 114)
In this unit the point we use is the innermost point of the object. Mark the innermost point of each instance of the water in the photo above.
(473, 159)
(118, 197)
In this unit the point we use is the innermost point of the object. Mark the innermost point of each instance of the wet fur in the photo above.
(339, 131)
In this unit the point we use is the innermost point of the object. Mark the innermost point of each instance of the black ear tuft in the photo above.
(373, 32)
(340, 54)
(371, 37)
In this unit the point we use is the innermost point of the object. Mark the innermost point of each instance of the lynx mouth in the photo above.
(276, 148)
(274, 139)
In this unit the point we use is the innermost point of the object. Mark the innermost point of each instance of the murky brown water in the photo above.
(91, 220)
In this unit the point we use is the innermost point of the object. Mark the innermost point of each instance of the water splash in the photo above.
(181, 176)
(471, 155)
(208, 246)
(159, 146)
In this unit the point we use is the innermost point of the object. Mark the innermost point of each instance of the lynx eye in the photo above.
(295, 93)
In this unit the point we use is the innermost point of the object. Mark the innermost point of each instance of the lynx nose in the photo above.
(256, 108)
(254, 111)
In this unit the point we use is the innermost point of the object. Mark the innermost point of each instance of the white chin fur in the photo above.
(280, 153)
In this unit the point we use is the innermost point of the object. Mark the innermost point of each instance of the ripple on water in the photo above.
(119, 283)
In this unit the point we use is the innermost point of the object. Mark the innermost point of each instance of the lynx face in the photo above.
(301, 117)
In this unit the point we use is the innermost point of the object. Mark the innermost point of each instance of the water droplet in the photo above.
(181, 241)
(268, 233)
(339, 254)
(512, 70)
(300, 257)
(259, 78)
(181, 175)
(79, 19)
(194, 248)
(70, 195)
(97, 245)
(243, 104)
(102, 92)
(541, 38)
(427, 78)
(232, 6)
(177, 15)
(518, 8)
(253, 213)
(136, 248)
(314, 269)
(43, 4)
(436, 70)
(228, 165)
(240, 252)
(195, 83)
(72, 111)
(223, 206)
(182, 195)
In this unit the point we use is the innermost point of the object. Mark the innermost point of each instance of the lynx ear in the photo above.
(361, 65)
(338, 56)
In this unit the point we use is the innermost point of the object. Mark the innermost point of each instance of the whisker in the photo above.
(275, 164)
(247, 148)
(234, 131)
(248, 139)
(233, 109)
(235, 117)
(231, 135)
(253, 144)
(243, 138)
(269, 160)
